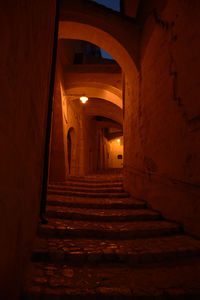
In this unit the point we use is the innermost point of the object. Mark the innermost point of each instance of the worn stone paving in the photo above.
(56, 281)
(110, 248)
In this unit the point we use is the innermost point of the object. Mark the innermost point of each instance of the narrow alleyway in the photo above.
(142, 114)
(100, 243)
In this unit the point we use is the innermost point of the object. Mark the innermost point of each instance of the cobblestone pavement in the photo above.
(110, 248)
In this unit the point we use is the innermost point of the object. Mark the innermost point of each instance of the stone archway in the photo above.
(81, 31)
(119, 37)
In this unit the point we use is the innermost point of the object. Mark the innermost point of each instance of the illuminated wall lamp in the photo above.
(84, 99)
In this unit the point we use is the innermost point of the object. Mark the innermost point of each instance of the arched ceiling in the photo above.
(98, 91)
(99, 107)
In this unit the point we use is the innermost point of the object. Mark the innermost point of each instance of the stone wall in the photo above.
(164, 169)
(27, 32)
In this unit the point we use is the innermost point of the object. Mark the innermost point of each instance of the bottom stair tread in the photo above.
(120, 282)
(136, 251)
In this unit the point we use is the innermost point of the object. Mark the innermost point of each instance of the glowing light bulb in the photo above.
(118, 140)
(84, 99)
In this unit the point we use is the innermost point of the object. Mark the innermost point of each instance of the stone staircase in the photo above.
(102, 244)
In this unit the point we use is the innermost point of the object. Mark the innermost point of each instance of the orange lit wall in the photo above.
(162, 165)
(115, 149)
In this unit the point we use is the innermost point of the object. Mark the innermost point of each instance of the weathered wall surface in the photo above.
(27, 30)
(164, 168)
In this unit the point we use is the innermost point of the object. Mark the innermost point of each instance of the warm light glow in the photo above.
(84, 99)
(118, 140)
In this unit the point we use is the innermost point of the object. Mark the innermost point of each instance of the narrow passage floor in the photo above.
(100, 243)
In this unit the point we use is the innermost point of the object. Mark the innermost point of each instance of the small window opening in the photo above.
(113, 4)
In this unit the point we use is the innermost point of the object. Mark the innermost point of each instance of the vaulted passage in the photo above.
(100, 152)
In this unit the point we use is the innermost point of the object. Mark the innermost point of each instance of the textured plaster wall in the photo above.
(27, 30)
(164, 168)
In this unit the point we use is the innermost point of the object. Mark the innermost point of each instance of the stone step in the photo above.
(134, 252)
(97, 179)
(104, 215)
(107, 245)
(85, 189)
(88, 194)
(121, 282)
(109, 230)
(87, 184)
(100, 203)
